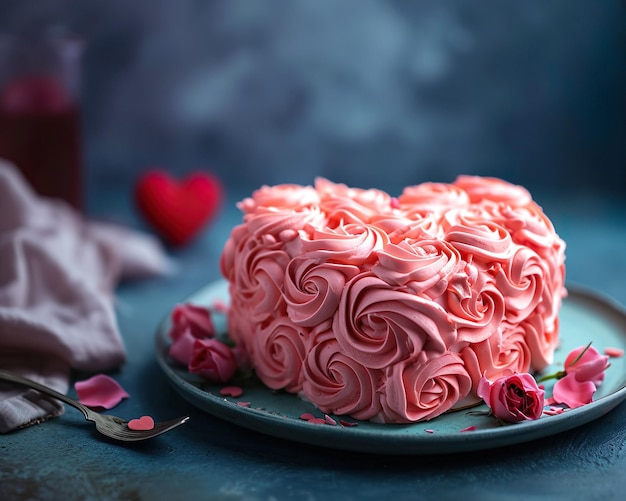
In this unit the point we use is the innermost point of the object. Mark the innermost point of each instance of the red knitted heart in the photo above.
(178, 210)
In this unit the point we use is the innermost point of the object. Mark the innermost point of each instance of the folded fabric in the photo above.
(58, 272)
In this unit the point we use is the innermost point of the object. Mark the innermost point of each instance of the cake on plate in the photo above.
(391, 309)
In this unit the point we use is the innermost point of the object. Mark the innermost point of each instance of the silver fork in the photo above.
(111, 426)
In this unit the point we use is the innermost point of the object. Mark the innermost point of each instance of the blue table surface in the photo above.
(208, 458)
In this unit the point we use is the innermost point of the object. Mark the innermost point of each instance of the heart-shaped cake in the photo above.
(392, 309)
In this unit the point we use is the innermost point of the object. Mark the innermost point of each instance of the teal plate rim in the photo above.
(585, 316)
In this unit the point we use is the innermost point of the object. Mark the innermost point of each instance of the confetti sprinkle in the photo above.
(469, 428)
(244, 404)
(329, 420)
(231, 391)
(307, 416)
(348, 424)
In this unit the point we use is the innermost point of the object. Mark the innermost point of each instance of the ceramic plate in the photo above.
(585, 317)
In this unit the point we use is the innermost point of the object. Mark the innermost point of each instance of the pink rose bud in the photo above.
(213, 360)
(513, 398)
(587, 363)
(196, 319)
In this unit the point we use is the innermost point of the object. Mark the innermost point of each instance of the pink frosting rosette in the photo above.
(541, 340)
(424, 388)
(504, 352)
(481, 188)
(521, 281)
(338, 384)
(351, 205)
(283, 196)
(474, 303)
(278, 353)
(416, 225)
(258, 282)
(433, 196)
(485, 242)
(350, 243)
(424, 265)
(378, 325)
(312, 289)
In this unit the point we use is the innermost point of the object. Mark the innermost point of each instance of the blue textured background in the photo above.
(367, 92)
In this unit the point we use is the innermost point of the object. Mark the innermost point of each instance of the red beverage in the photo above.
(40, 133)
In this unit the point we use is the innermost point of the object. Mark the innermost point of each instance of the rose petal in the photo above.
(100, 391)
(613, 352)
(572, 392)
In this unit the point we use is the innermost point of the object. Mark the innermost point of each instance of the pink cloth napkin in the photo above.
(57, 276)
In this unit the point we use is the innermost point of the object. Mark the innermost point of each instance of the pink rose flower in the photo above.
(587, 363)
(189, 322)
(213, 360)
(513, 398)
(196, 319)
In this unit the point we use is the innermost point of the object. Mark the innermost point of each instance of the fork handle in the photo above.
(12, 377)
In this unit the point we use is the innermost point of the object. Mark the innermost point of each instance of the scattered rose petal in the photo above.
(100, 391)
(613, 352)
(307, 416)
(231, 391)
(348, 424)
(572, 392)
(429, 431)
(243, 404)
(144, 423)
(329, 420)
(469, 428)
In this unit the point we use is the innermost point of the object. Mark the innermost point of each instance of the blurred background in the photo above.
(373, 93)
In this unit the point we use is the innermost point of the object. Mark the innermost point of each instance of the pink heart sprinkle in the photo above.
(231, 391)
(469, 428)
(244, 404)
(144, 423)
(307, 416)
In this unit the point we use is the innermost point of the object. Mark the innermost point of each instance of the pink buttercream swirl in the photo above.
(504, 352)
(424, 388)
(338, 384)
(425, 266)
(351, 243)
(379, 325)
(278, 354)
(312, 289)
(433, 196)
(480, 189)
(345, 205)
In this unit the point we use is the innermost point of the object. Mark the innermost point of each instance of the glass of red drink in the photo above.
(40, 114)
